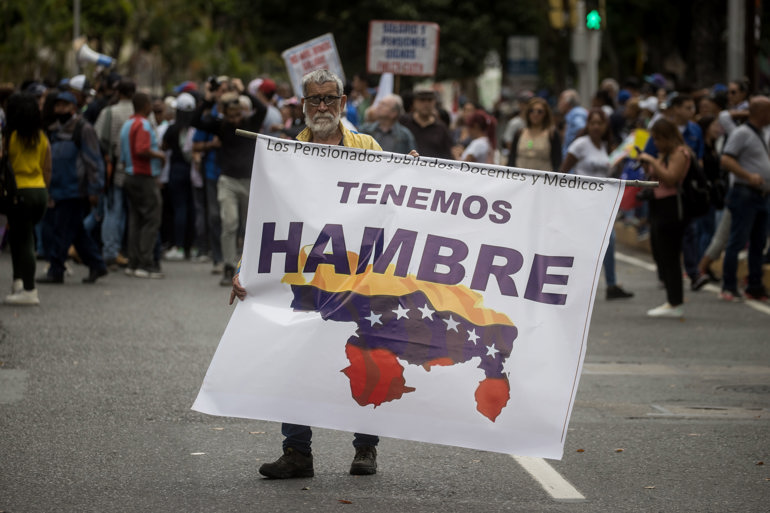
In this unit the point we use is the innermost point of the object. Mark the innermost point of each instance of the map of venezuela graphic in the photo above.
(417, 322)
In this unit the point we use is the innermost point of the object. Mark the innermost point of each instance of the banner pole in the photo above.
(631, 183)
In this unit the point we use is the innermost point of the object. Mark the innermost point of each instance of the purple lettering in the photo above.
(416, 195)
(346, 188)
(390, 192)
(403, 242)
(485, 268)
(339, 255)
(270, 246)
(441, 203)
(368, 189)
(539, 276)
(431, 258)
(468, 204)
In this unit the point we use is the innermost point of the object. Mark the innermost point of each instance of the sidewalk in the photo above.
(626, 236)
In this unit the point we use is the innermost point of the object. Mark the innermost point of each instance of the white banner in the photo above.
(421, 299)
(402, 47)
(318, 53)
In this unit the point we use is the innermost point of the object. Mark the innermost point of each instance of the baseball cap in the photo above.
(184, 102)
(79, 83)
(267, 86)
(650, 103)
(424, 91)
(66, 97)
(185, 87)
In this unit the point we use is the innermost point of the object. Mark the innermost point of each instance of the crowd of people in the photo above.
(116, 179)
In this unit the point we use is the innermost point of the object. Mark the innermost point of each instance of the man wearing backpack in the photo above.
(745, 155)
(77, 178)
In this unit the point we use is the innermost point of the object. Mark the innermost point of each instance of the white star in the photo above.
(472, 337)
(374, 318)
(426, 312)
(492, 351)
(401, 312)
(451, 324)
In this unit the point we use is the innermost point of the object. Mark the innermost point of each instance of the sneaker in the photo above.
(227, 276)
(365, 461)
(291, 464)
(149, 272)
(47, 278)
(666, 310)
(17, 286)
(95, 274)
(23, 297)
(615, 292)
(699, 282)
(129, 272)
(175, 253)
(731, 296)
(756, 293)
(217, 268)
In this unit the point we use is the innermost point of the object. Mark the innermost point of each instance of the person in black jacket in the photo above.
(235, 160)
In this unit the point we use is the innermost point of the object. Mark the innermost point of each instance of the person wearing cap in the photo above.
(431, 134)
(77, 179)
(264, 90)
(80, 87)
(108, 125)
(235, 161)
(323, 104)
(178, 141)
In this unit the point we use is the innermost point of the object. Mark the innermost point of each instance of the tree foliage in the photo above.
(197, 38)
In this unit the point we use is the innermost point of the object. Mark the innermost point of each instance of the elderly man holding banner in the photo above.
(323, 103)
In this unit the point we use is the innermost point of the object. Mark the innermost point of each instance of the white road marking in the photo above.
(634, 261)
(551, 481)
(756, 305)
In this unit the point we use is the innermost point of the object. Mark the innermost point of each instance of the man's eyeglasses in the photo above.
(732, 91)
(328, 100)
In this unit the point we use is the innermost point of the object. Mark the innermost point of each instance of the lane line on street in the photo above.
(634, 261)
(756, 305)
(552, 482)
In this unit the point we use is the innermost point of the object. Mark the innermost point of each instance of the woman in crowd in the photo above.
(29, 154)
(588, 155)
(666, 217)
(537, 145)
(480, 148)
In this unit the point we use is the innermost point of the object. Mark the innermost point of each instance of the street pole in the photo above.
(75, 31)
(586, 45)
(736, 26)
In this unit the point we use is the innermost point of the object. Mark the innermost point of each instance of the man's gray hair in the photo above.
(399, 103)
(321, 76)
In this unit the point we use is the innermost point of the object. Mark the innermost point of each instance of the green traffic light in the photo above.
(593, 20)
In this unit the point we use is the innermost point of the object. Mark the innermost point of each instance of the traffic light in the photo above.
(595, 17)
(556, 14)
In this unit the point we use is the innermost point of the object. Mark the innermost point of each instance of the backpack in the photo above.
(695, 192)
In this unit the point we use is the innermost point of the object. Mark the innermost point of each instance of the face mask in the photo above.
(63, 118)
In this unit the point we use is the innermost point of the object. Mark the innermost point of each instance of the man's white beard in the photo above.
(324, 125)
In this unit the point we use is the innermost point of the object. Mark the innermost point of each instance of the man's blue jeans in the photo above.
(749, 211)
(298, 437)
(114, 223)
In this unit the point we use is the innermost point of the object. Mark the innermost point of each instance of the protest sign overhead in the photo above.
(402, 47)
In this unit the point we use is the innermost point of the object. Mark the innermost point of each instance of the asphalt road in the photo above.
(96, 387)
